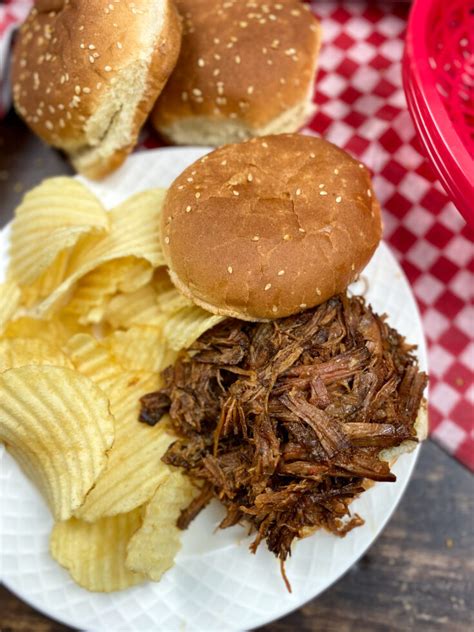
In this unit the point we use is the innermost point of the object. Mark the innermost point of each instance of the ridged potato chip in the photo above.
(10, 296)
(141, 349)
(47, 281)
(57, 424)
(135, 308)
(56, 331)
(17, 352)
(53, 215)
(168, 297)
(134, 469)
(94, 360)
(151, 551)
(134, 231)
(184, 327)
(93, 291)
(94, 553)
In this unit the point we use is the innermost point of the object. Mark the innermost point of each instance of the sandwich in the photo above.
(302, 397)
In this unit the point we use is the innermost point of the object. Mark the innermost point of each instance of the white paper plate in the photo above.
(216, 583)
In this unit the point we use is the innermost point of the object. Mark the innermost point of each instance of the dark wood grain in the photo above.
(417, 576)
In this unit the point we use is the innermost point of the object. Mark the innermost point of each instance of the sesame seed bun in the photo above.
(269, 227)
(86, 74)
(246, 69)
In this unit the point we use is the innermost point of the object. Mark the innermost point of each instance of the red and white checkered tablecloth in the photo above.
(361, 107)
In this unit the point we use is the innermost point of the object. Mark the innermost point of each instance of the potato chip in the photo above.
(154, 546)
(185, 326)
(134, 469)
(94, 553)
(47, 281)
(16, 352)
(10, 295)
(57, 423)
(141, 349)
(55, 331)
(134, 231)
(168, 297)
(53, 216)
(93, 359)
(135, 308)
(93, 291)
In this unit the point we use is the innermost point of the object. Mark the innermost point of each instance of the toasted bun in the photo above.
(86, 74)
(246, 69)
(269, 227)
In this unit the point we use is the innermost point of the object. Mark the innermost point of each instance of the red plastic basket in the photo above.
(438, 77)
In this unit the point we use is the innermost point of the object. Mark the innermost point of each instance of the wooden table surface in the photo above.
(417, 576)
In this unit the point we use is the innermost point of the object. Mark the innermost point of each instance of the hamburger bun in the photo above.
(86, 74)
(269, 227)
(246, 69)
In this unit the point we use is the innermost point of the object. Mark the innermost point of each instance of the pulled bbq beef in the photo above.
(282, 421)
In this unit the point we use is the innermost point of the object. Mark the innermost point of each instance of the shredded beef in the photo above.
(282, 421)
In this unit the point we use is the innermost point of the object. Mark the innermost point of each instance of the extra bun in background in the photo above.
(269, 227)
(87, 73)
(246, 69)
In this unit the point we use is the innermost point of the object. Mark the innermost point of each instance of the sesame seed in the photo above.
(318, 291)
(250, 90)
(369, 193)
(250, 177)
(181, 187)
(353, 267)
(281, 273)
(338, 199)
(303, 306)
(302, 230)
(217, 56)
(217, 40)
(274, 309)
(77, 89)
(235, 192)
(108, 68)
(286, 237)
(361, 166)
(230, 269)
(188, 209)
(119, 45)
(189, 179)
(201, 62)
(223, 163)
(237, 59)
(49, 125)
(216, 72)
(268, 286)
(290, 51)
(298, 191)
(184, 96)
(91, 47)
(167, 240)
(91, 59)
(336, 171)
(197, 195)
(197, 92)
(255, 238)
(265, 145)
(243, 25)
(323, 193)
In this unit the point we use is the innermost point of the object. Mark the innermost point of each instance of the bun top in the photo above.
(269, 227)
(249, 60)
(86, 73)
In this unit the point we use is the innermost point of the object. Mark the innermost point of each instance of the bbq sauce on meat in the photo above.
(283, 421)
